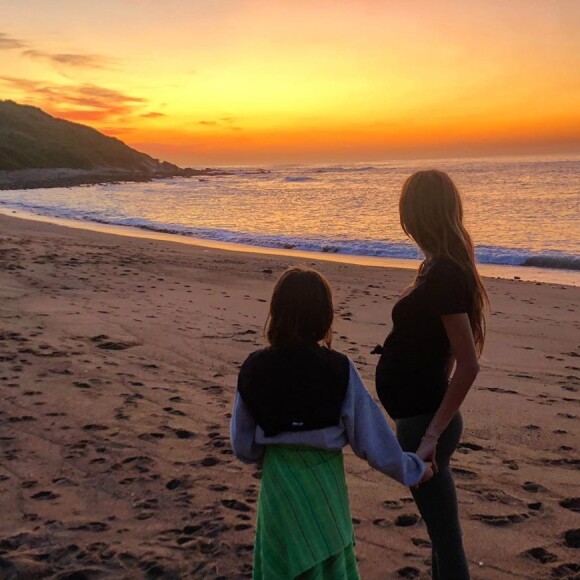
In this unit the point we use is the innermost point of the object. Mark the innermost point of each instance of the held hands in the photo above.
(427, 451)
(427, 475)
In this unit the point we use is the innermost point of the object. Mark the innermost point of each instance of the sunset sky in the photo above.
(210, 82)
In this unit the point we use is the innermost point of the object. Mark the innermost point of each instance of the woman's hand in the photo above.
(427, 451)
(428, 474)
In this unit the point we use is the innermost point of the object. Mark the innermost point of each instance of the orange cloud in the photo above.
(83, 102)
(74, 60)
(152, 115)
(224, 122)
(306, 80)
(10, 43)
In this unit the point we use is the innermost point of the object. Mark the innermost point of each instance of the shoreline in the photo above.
(120, 356)
(40, 179)
(505, 272)
(18, 179)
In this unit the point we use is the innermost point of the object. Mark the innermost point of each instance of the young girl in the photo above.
(438, 325)
(297, 405)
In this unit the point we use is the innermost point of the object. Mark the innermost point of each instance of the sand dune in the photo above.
(118, 365)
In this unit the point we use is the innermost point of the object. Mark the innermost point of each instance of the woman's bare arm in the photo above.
(450, 367)
(463, 350)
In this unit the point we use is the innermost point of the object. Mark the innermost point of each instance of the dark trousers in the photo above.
(437, 500)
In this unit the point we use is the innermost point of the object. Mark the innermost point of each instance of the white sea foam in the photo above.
(520, 213)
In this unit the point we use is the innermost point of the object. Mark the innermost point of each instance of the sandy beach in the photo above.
(118, 368)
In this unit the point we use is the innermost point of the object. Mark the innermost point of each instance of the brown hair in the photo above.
(301, 310)
(431, 214)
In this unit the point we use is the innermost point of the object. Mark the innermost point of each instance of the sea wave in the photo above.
(340, 169)
(558, 262)
(349, 246)
(524, 257)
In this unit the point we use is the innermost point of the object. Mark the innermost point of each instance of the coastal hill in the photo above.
(40, 151)
(32, 139)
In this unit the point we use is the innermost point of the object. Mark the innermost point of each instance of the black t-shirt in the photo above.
(412, 374)
(294, 389)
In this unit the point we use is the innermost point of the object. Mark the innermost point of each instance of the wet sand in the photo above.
(118, 362)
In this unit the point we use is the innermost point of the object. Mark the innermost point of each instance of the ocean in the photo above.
(520, 212)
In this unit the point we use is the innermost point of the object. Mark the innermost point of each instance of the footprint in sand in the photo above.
(511, 464)
(464, 473)
(572, 538)
(44, 495)
(569, 571)
(218, 487)
(22, 419)
(421, 543)
(499, 390)
(500, 521)
(90, 527)
(408, 572)
(234, 504)
(563, 461)
(466, 447)
(184, 434)
(567, 415)
(571, 503)
(95, 427)
(173, 411)
(8, 570)
(64, 481)
(112, 345)
(406, 520)
(392, 504)
(540, 555)
(151, 436)
(494, 496)
(81, 385)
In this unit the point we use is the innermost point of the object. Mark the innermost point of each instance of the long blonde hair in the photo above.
(431, 214)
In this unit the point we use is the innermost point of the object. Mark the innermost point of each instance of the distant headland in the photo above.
(38, 150)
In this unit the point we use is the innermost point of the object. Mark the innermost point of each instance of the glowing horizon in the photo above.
(249, 82)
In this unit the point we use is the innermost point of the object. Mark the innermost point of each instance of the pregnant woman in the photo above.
(430, 359)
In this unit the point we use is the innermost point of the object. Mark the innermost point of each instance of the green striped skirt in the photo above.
(304, 529)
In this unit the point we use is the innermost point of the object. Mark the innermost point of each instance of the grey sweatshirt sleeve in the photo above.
(372, 439)
(243, 433)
